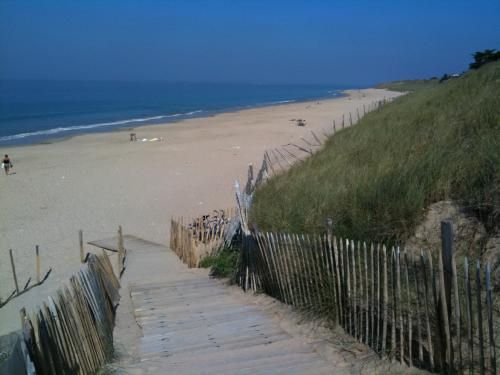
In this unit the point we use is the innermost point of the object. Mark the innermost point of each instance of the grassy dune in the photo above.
(376, 179)
(410, 86)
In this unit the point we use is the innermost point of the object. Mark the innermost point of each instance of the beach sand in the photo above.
(99, 181)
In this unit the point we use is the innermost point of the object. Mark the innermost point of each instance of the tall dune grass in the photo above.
(377, 178)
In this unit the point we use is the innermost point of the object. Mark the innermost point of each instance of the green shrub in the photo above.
(223, 264)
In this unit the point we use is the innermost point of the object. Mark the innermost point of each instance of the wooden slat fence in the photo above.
(279, 159)
(397, 303)
(72, 333)
(194, 239)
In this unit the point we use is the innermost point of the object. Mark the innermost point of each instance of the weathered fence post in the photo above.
(409, 315)
(480, 318)
(13, 266)
(445, 270)
(458, 314)
(367, 297)
(489, 306)
(250, 180)
(427, 309)
(120, 250)
(37, 264)
(80, 240)
(417, 312)
(400, 305)
(394, 305)
(385, 298)
(469, 315)
(447, 254)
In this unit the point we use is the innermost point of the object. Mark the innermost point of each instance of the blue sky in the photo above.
(344, 42)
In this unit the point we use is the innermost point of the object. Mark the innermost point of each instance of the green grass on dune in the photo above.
(409, 85)
(376, 179)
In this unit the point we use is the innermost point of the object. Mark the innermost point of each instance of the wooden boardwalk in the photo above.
(187, 323)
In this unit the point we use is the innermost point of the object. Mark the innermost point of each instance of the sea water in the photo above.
(37, 111)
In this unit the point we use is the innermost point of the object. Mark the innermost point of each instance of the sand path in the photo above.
(96, 182)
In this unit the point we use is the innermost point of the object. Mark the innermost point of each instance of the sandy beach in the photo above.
(99, 181)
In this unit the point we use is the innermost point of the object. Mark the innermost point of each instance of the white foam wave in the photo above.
(92, 126)
(282, 102)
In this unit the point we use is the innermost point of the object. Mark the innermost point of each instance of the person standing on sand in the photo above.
(6, 164)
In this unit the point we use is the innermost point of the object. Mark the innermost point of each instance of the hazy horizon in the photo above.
(293, 42)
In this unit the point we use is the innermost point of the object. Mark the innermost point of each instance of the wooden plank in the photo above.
(37, 264)
(427, 309)
(378, 286)
(287, 267)
(83, 346)
(470, 317)
(305, 269)
(367, 298)
(480, 319)
(317, 249)
(385, 299)
(446, 258)
(400, 306)
(440, 351)
(409, 314)
(336, 258)
(271, 280)
(65, 337)
(331, 267)
(82, 252)
(348, 274)
(458, 315)
(374, 300)
(418, 300)
(394, 304)
(273, 255)
(266, 274)
(90, 336)
(283, 270)
(240, 355)
(444, 311)
(360, 294)
(310, 254)
(294, 270)
(491, 334)
(354, 290)
(342, 283)
(298, 270)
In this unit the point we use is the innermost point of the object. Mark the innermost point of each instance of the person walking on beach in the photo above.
(6, 164)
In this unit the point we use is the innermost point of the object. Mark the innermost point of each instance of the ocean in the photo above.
(38, 111)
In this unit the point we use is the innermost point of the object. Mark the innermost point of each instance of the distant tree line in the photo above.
(480, 58)
(484, 57)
